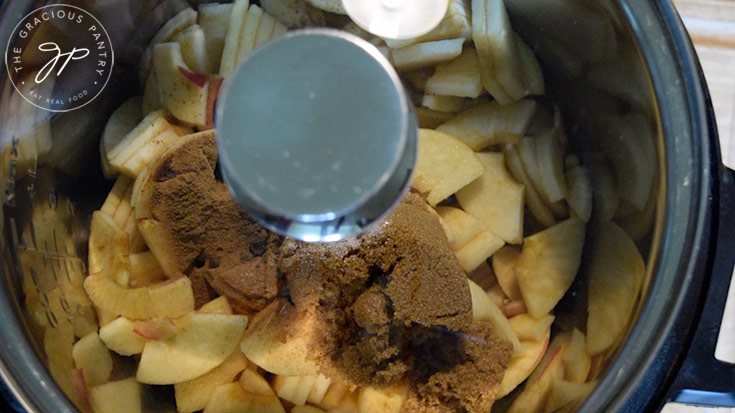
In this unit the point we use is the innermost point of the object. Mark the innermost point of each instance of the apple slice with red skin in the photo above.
(215, 83)
(198, 79)
(522, 364)
(159, 329)
(549, 370)
(80, 385)
(514, 308)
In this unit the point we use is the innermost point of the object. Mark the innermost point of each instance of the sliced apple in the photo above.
(579, 195)
(513, 308)
(335, 394)
(577, 361)
(183, 92)
(348, 404)
(121, 122)
(430, 119)
(459, 225)
(550, 158)
(91, 355)
(294, 389)
(306, 409)
(193, 48)
(522, 364)
(155, 329)
(193, 395)
(232, 398)
(459, 77)
(536, 205)
(232, 37)
(151, 126)
(201, 343)
(166, 33)
(548, 263)
(172, 298)
(106, 242)
(144, 269)
(615, 277)
(567, 394)
(443, 103)
(387, 400)
(444, 165)
(529, 328)
(319, 391)
(495, 198)
(116, 196)
(249, 32)
(475, 251)
(489, 123)
(549, 370)
(484, 309)
(214, 19)
(265, 29)
(118, 336)
(151, 95)
(533, 76)
(219, 305)
(116, 397)
(264, 345)
(426, 54)
(455, 24)
(605, 197)
(254, 383)
(504, 264)
(135, 164)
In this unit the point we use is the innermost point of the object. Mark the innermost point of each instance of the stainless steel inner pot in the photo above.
(60, 191)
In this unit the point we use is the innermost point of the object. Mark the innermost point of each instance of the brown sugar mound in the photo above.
(194, 226)
(376, 294)
(462, 375)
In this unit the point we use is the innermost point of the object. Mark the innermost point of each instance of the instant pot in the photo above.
(668, 352)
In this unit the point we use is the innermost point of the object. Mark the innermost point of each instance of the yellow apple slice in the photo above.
(615, 278)
(264, 345)
(219, 305)
(214, 19)
(577, 361)
(549, 370)
(183, 92)
(444, 165)
(91, 355)
(495, 198)
(254, 383)
(548, 263)
(550, 158)
(193, 395)
(294, 389)
(201, 343)
(135, 164)
(151, 95)
(460, 225)
(484, 309)
(118, 336)
(566, 394)
(168, 299)
(232, 38)
(121, 122)
(459, 77)
(443, 103)
(106, 241)
(152, 125)
(455, 24)
(529, 328)
(166, 33)
(430, 119)
(116, 397)
(535, 204)
(193, 48)
(522, 364)
(144, 269)
(265, 29)
(249, 32)
(387, 400)
(321, 386)
(336, 393)
(475, 251)
(116, 196)
(231, 397)
(426, 54)
(504, 264)
(579, 195)
(491, 124)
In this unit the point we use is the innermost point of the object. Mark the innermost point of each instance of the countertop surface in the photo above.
(711, 24)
